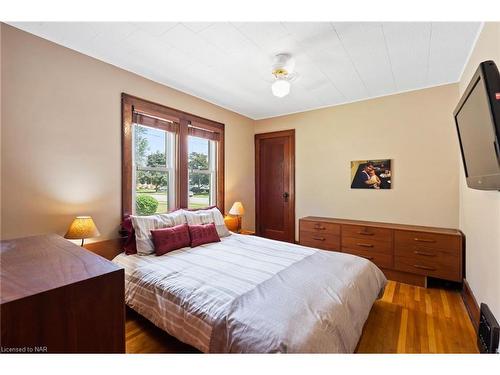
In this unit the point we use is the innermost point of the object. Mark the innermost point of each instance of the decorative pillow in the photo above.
(207, 216)
(129, 246)
(219, 222)
(169, 239)
(143, 225)
(175, 217)
(202, 234)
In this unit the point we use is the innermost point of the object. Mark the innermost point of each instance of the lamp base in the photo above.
(238, 230)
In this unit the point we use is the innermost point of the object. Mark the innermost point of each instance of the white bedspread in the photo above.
(250, 294)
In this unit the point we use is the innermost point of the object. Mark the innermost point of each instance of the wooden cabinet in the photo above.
(429, 254)
(406, 253)
(322, 235)
(57, 297)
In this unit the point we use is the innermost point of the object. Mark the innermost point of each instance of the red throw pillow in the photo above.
(202, 234)
(129, 245)
(169, 239)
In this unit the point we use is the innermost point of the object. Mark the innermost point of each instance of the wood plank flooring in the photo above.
(408, 319)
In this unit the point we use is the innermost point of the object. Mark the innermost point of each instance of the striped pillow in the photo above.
(175, 217)
(143, 225)
(207, 216)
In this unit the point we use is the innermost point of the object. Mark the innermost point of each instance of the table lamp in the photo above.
(237, 210)
(82, 227)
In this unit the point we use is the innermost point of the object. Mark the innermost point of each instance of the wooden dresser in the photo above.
(406, 253)
(59, 298)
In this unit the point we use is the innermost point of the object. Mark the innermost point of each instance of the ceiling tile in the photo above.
(192, 44)
(327, 94)
(226, 37)
(262, 33)
(302, 31)
(197, 26)
(155, 28)
(365, 45)
(330, 57)
(450, 46)
(408, 48)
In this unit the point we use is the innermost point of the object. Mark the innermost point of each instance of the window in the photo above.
(170, 159)
(153, 170)
(202, 172)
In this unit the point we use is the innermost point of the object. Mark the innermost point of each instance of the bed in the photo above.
(248, 294)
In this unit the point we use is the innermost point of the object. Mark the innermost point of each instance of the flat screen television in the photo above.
(477, 118)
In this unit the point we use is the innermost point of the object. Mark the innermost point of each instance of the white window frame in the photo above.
(170, 167)
(212, 170)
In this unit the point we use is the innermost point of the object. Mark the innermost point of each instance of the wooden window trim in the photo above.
(180, 122)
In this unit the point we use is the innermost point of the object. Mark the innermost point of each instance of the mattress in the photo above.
(248, 294)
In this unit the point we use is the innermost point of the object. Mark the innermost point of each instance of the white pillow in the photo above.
(211, 215)
(143, 225)
(175, 218)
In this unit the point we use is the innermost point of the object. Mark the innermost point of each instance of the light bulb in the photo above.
(280, 88)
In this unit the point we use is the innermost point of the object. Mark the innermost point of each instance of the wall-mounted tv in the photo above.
(477, 117)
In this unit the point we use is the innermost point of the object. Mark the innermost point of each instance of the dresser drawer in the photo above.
(320, 227)
(444, 267)
(366, 244)
(364, 232)
(320, 240)
(381, 260)
(407, 243)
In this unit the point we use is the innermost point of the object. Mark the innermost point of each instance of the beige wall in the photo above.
(61, 145)
(414, 129)
(480, 210)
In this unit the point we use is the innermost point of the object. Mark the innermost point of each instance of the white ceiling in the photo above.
(229, 64)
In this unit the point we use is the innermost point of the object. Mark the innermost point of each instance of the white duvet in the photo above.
(248, 294)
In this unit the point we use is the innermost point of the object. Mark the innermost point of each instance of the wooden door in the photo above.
(275, 185)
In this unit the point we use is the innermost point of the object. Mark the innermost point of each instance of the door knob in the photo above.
(285, 195)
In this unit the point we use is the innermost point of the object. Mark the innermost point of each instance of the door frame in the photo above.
(291, 199)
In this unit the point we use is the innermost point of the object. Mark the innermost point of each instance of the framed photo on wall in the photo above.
(371, 174)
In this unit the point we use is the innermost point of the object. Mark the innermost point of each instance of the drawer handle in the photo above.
(365, 244)
(366, 233)
(424, 267)
(319, 227)
(424, 253)
(366, 257)
(319, 238)
(423, 240)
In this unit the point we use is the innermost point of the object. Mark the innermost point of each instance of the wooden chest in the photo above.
(406, 253)
(59, 298)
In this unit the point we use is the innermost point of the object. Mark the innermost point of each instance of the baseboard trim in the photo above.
(406, 278)
(471, 304)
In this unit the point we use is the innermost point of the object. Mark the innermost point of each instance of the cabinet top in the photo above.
(33, 265)
(407, 227)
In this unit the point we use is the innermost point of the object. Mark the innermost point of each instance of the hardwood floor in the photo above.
(407, 319)
(411, 319)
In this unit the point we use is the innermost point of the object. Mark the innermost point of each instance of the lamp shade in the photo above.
(237, 209)
(82, 227)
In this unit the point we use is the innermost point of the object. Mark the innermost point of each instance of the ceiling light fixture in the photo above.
(280, 87)
(283, 74)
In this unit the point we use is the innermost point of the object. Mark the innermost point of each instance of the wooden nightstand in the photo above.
(247, 232)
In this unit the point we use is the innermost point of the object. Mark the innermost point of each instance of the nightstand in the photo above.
(247, 232)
